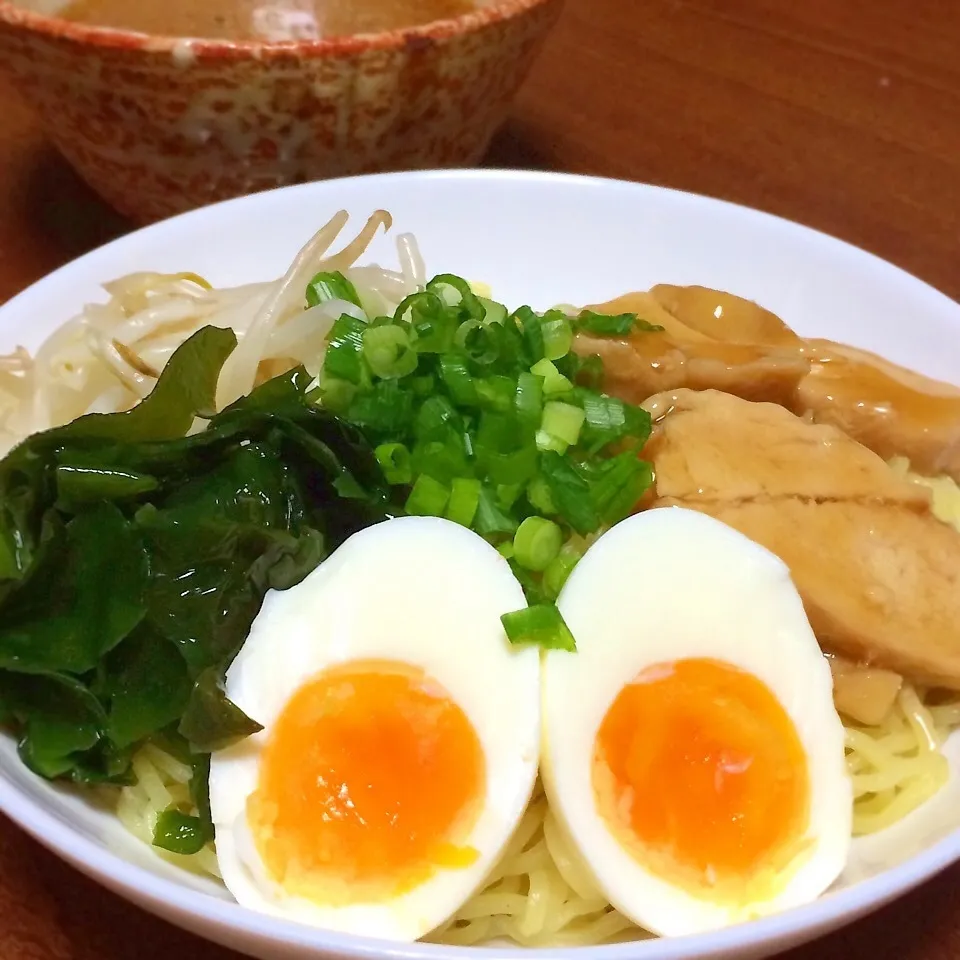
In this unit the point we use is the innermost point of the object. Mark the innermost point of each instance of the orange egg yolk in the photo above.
(700, 773)
(369, 781)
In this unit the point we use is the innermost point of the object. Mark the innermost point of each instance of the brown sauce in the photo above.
(271, 20)
(723, 316)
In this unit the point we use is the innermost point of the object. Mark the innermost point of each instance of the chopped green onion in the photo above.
(180, 832)
(433, 325)
(536, 543)
(508, 494)
(589, 370)
(343, 358)
(505, 450)
(436, 418)
(514, 467)
(546, 441)
(478, 342)
(563, 421)
(394, 460)
(570, 492)
(418, 307)
(435, 334)
(331, 286)
(493, 312)
(528, 399)
(528, 323)
(541, 624)
(464, 500)
(491, 519)
(456, 292)
(557, 335)
(444, 459)
(604, 414)
(618, 483)
(554, 381)
(610, 325)
(385, 409)
(457, 379)
(555, 576)
(428, 498)
(609, 419)
(423, 386)
(388, 352)
(336, 394)
(485, 418)
(514, 354)
(606, 325)
(496, 393)
(538, 493)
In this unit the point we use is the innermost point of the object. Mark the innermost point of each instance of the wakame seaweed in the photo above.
(134, 557)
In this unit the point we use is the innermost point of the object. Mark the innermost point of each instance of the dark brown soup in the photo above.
(262, 19)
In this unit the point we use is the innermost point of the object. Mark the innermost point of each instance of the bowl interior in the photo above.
(539, 239)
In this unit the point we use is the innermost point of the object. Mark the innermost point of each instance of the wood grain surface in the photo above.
(841, 114)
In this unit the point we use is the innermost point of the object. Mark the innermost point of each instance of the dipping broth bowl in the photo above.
(158, 125)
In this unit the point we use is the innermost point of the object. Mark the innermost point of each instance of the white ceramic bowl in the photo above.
(542, 239)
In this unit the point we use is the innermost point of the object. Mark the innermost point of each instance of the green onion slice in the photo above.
(541, 624)
(536, 543)
(528, 324)
(331, 286)
(493, 312)
(343, 359)
(428, 498)
(478, 342)
(388, 352)
(563, 421)
(455, 292)
(554, 381)
(613, 325)
(557, 334)
(180, 832)
(458, 379)
(555, 576)
(464, 500)
(394, 460)
(528, 399)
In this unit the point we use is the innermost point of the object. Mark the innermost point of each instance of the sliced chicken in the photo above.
(724, 316)
(877, 571)
(880, 583)
(645, 363)
(712, 446)
(888, 408)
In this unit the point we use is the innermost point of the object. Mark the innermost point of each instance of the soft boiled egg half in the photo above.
(692, 754)
(400, 735)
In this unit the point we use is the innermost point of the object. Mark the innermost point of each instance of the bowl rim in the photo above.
(186, 48)
(164, 896)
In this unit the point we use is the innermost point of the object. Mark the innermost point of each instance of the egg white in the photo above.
(418, 590)
(672, 584)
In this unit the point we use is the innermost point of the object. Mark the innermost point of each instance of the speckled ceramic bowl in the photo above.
(158, 125)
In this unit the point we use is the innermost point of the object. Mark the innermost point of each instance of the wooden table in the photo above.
(842, 114)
